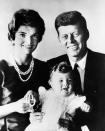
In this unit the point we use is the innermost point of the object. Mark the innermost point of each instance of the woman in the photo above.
(23, 73)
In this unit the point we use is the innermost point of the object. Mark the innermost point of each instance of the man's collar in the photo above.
(81, 63)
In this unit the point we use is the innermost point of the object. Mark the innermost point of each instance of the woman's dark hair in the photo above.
(26, 17)
(72, 18)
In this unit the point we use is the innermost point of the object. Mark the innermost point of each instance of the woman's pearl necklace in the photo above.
(30, 70)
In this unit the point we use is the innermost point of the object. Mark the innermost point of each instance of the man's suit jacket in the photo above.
(94, 88)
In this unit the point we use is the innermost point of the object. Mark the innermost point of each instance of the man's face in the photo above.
(61, 83)
(72, 37)
(26, 40)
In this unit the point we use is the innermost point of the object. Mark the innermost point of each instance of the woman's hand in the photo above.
(26, 103)
(23, 105)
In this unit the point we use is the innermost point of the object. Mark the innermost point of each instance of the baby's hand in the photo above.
(85, 107)
(76, 102)
(42, 94)
(36, 117)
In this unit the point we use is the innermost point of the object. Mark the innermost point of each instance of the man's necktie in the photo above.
(77, 80)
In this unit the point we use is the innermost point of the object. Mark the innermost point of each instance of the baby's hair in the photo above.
(62, 67)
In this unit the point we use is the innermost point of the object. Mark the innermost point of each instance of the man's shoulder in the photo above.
(39, 63)
(96, 62)
(57, 59)
(96, 56)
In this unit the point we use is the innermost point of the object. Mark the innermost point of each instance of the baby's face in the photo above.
(61, 83)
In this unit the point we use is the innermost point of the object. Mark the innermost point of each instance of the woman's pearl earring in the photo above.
(13, 44)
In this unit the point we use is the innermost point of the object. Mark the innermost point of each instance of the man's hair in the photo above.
(26, 17)
(72, 18)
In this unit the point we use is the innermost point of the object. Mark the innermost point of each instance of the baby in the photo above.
(59, 103)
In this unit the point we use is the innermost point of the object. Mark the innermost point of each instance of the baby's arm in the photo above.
(85, 107)
(75, 103)
(42, 94)
(78, 102)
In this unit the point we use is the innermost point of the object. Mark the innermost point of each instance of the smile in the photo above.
(29, 47)
(65, 89)
(73, 46)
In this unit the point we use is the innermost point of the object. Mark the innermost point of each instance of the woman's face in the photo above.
(61, 83)
(26, 40)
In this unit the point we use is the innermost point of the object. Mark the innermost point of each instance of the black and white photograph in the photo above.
(52, 65)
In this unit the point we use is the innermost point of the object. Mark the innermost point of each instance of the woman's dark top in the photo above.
(13, 89)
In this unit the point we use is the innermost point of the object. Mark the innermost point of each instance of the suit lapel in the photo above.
(89, 78)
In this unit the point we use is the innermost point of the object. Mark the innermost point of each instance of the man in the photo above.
(73, 34)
